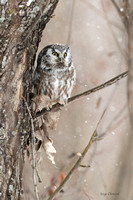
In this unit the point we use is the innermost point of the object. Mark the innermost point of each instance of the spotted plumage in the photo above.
(55, 74)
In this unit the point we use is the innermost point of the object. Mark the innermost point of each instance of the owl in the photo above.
(55, 74)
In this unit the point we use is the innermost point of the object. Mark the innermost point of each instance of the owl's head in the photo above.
(57, 56)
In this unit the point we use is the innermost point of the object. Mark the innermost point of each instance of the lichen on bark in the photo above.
(21, 26)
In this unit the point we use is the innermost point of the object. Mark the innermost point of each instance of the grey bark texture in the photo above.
(129, 151)
(21, 26)
(130, 63)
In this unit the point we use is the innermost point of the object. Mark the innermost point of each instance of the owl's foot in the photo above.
(62, 102)
(50, 105)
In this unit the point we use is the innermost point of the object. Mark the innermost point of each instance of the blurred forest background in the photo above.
(98, 40)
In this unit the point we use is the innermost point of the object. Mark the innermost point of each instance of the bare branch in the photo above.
(71, 22)
(93, 138)
(95, 89)
(117, 120)
(101, 14)
(124, 53)
(33, 153)
(122, 14)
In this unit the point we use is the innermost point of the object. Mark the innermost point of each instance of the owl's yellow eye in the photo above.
(55, 53)
(65, 54)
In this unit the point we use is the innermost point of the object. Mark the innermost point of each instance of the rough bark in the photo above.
(22, 23)
(130, 62)
(129, 160)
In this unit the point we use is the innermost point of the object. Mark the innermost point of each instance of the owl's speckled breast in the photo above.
(59, 86)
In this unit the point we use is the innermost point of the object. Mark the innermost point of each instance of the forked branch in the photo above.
(93, 138)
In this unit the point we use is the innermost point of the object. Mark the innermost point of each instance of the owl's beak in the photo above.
(61, 60)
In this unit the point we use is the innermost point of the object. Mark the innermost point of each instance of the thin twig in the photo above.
(101, 14)
(99, 87)
(115, 121)
(113, 32)
(93, 138)
(122, 14)
(38, 176)
(33, 153)
(71, 22)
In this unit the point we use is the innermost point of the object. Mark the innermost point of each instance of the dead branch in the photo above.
(33, 152)
(78, 96)
(101, 14)
(93, 138)
(117, 120)
(112, 32)
(122, 13)
(71, 22)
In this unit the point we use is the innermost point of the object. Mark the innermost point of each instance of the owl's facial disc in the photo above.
(67, 57)
(60, 59)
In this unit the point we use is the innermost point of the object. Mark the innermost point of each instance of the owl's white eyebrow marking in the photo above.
(49, 51)
(56, 50)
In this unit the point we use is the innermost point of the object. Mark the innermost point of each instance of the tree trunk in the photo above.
(129, 160)
(125, 177)
(22, 23)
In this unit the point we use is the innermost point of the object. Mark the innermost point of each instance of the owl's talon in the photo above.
(50, 105)
(63, 102)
